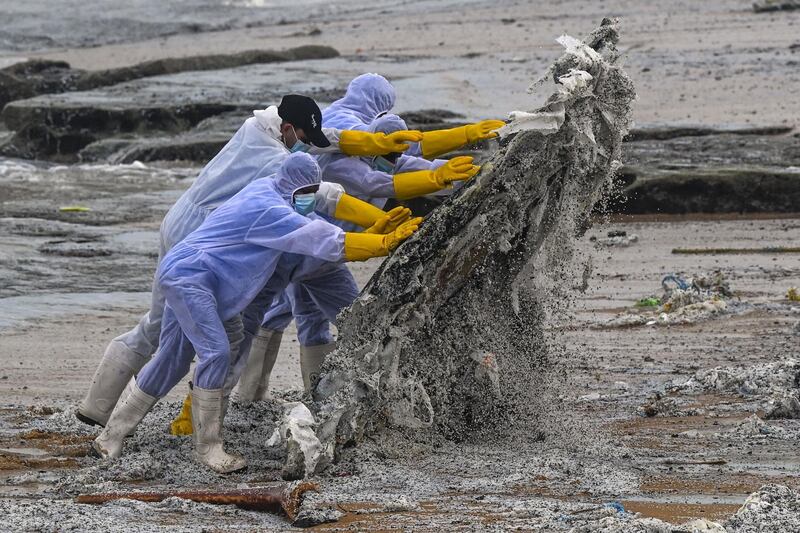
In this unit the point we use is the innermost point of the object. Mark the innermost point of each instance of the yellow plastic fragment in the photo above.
(182, 425)
(73, 209)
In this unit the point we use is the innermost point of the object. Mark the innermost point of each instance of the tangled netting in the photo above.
(447, 336)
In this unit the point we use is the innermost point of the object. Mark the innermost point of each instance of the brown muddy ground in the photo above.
(697, 457)
(72, 281)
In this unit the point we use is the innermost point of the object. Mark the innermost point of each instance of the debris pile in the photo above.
(776, 384)
(772, 508)
(761, 379)
(684, 301)
(413, 348)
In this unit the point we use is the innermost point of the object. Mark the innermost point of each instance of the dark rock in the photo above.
(665, 132)
(59, 126)
(715, 149)
(711, 170)
(200, 144)
(432, 119)
(711, 190)
(767, 6)
(35, 77)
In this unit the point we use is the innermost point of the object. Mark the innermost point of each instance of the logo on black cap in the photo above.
(303, 112)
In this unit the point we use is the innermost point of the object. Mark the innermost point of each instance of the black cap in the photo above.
(303, 112)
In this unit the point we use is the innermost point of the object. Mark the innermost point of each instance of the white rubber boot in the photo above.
(311, 359)
(123, 421)
(254, 383)
(108, 383)
(207, 414)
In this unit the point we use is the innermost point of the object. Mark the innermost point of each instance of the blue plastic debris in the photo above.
(616, 506)
(679, 282)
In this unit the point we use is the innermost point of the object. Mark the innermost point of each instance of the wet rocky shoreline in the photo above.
(186, 109)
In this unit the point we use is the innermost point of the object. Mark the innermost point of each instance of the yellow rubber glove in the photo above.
(485, 129)
(182, 425)
(390, 221)
(438, 142)
(351, 209)
(363, 246)
(359, 143)
(421, 182)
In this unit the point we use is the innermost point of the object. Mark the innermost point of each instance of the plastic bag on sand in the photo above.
(303, 448)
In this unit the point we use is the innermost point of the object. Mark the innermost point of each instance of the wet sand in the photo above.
(696, 458)
(73, 281)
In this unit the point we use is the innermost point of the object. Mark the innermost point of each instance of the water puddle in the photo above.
(24, 451)
(681, 512)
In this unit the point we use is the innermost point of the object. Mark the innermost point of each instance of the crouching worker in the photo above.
(211, 276)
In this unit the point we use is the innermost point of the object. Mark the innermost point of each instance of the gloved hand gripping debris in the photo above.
(406, 348)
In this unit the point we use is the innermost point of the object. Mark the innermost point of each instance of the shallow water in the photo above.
(32, 25)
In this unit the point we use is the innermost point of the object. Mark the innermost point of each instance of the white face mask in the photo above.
(298, 146)
(304, 203)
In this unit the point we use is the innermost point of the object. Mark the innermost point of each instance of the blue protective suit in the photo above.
(367, 96)
(255, 151)
(315, 302)
(218, 269)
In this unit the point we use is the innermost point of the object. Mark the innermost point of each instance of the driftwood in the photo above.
(447, 336)
(277, 499)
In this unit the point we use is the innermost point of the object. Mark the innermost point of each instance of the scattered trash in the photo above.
(760, 379)
(685, 300)
(785, 407)
(618, 238)
(679, 282)
(775, 505)
(793, 294)
(74, 209)
(657, 405)
(303, 448)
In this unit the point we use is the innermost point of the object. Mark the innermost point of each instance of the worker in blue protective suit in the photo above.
(315, 302)
(257, 149)
(211, 276)
(368, 96)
